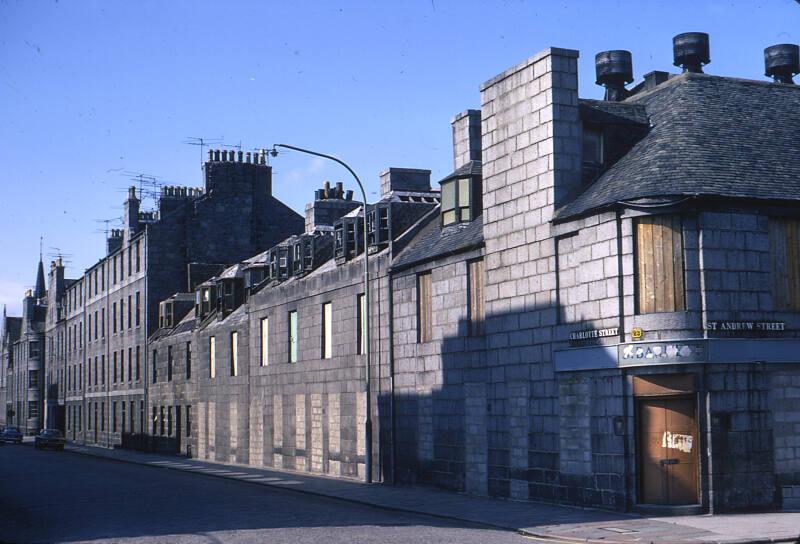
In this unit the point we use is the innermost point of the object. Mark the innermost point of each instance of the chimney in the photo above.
(412, 180)
(614, 69)
(654, 79)
(691, 51)
(328, 206)
(782, 62)
(131, 217)
(237, 172)
(114, 241)
(466, 137)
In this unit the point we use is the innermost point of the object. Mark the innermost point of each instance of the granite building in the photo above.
(598, 306)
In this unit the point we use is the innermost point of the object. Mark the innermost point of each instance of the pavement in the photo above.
(536, 521)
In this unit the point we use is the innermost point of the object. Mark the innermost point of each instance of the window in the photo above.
(130, 312)
(122, 405)
(659, 264)
(293, 336)
(188, 360)
(457, 202)
(95, 324)
(114, 272)
(264, 341)
(784, 241)
(130, 252)
(89, 327)
(424, 313)
(155, 366)
(475, 294)
(212, 356)
(138, 304)
(155, 420)
(169, 420)
(115, 368)
(189, 420)
(169, 363)
(33, 379)
(114, 417)
(102, 416)
(130, 364)
(327, 330)
(95, 370)
(103, 369)
(161, 421)
(103, 322)
(122, 365)
(121, 265)
(138, 243)
(361, 325)
(234, 354)
(138, 371)
(33, 409)
(114, 317)
(131, 416)
(33, 350)
(592, 145)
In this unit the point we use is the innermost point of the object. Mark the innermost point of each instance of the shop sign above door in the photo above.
(662, 353)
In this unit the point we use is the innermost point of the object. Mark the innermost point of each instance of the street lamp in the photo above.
(367, 365)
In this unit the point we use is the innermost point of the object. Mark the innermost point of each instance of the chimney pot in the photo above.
(210, 154)
(247, 157)
(614, 70)
(349, 195)
(241, 156)
(339, 189)
(782, 62)
(691, 51)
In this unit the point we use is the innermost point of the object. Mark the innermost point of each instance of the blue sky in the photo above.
(91, 90)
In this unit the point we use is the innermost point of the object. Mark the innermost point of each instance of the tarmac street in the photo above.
(50, 496)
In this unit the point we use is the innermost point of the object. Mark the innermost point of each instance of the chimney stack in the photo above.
(614, 70)
(691, 51)
(466, 137)
(782, 62)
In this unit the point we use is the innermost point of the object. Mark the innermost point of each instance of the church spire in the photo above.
(39, 292)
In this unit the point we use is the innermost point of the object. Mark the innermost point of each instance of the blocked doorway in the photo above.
(667, 440)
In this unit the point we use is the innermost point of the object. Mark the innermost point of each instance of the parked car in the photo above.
(11, 434)
(49, 438)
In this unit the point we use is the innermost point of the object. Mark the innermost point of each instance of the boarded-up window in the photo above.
(475, 295)
(659, 264)
(784, 239)
(424, 313)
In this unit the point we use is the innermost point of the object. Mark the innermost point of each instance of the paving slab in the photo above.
(543, 522)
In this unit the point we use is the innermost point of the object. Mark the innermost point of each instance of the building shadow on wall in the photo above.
(487, 422)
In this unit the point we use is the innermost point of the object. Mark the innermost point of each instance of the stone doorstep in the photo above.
(495, 513)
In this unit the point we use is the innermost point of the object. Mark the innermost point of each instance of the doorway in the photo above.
(667, 445)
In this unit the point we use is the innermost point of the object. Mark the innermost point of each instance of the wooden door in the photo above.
(667, 444)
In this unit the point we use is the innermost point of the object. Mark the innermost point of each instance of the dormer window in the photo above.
(378, 225)
(460, 200)
(592, 145)
(207, 300)
(166, 315)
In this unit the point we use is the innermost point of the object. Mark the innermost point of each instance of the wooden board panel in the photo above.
(677, 263)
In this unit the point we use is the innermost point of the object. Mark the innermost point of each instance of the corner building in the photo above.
(598, 306)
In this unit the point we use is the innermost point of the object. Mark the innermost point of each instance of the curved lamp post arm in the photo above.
(368, 349)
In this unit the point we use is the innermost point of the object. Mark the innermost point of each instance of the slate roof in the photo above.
(433, 241)
(472, 168)
(710, 135)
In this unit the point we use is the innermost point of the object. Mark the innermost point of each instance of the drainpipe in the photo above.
(391, 374)
(626, 435)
